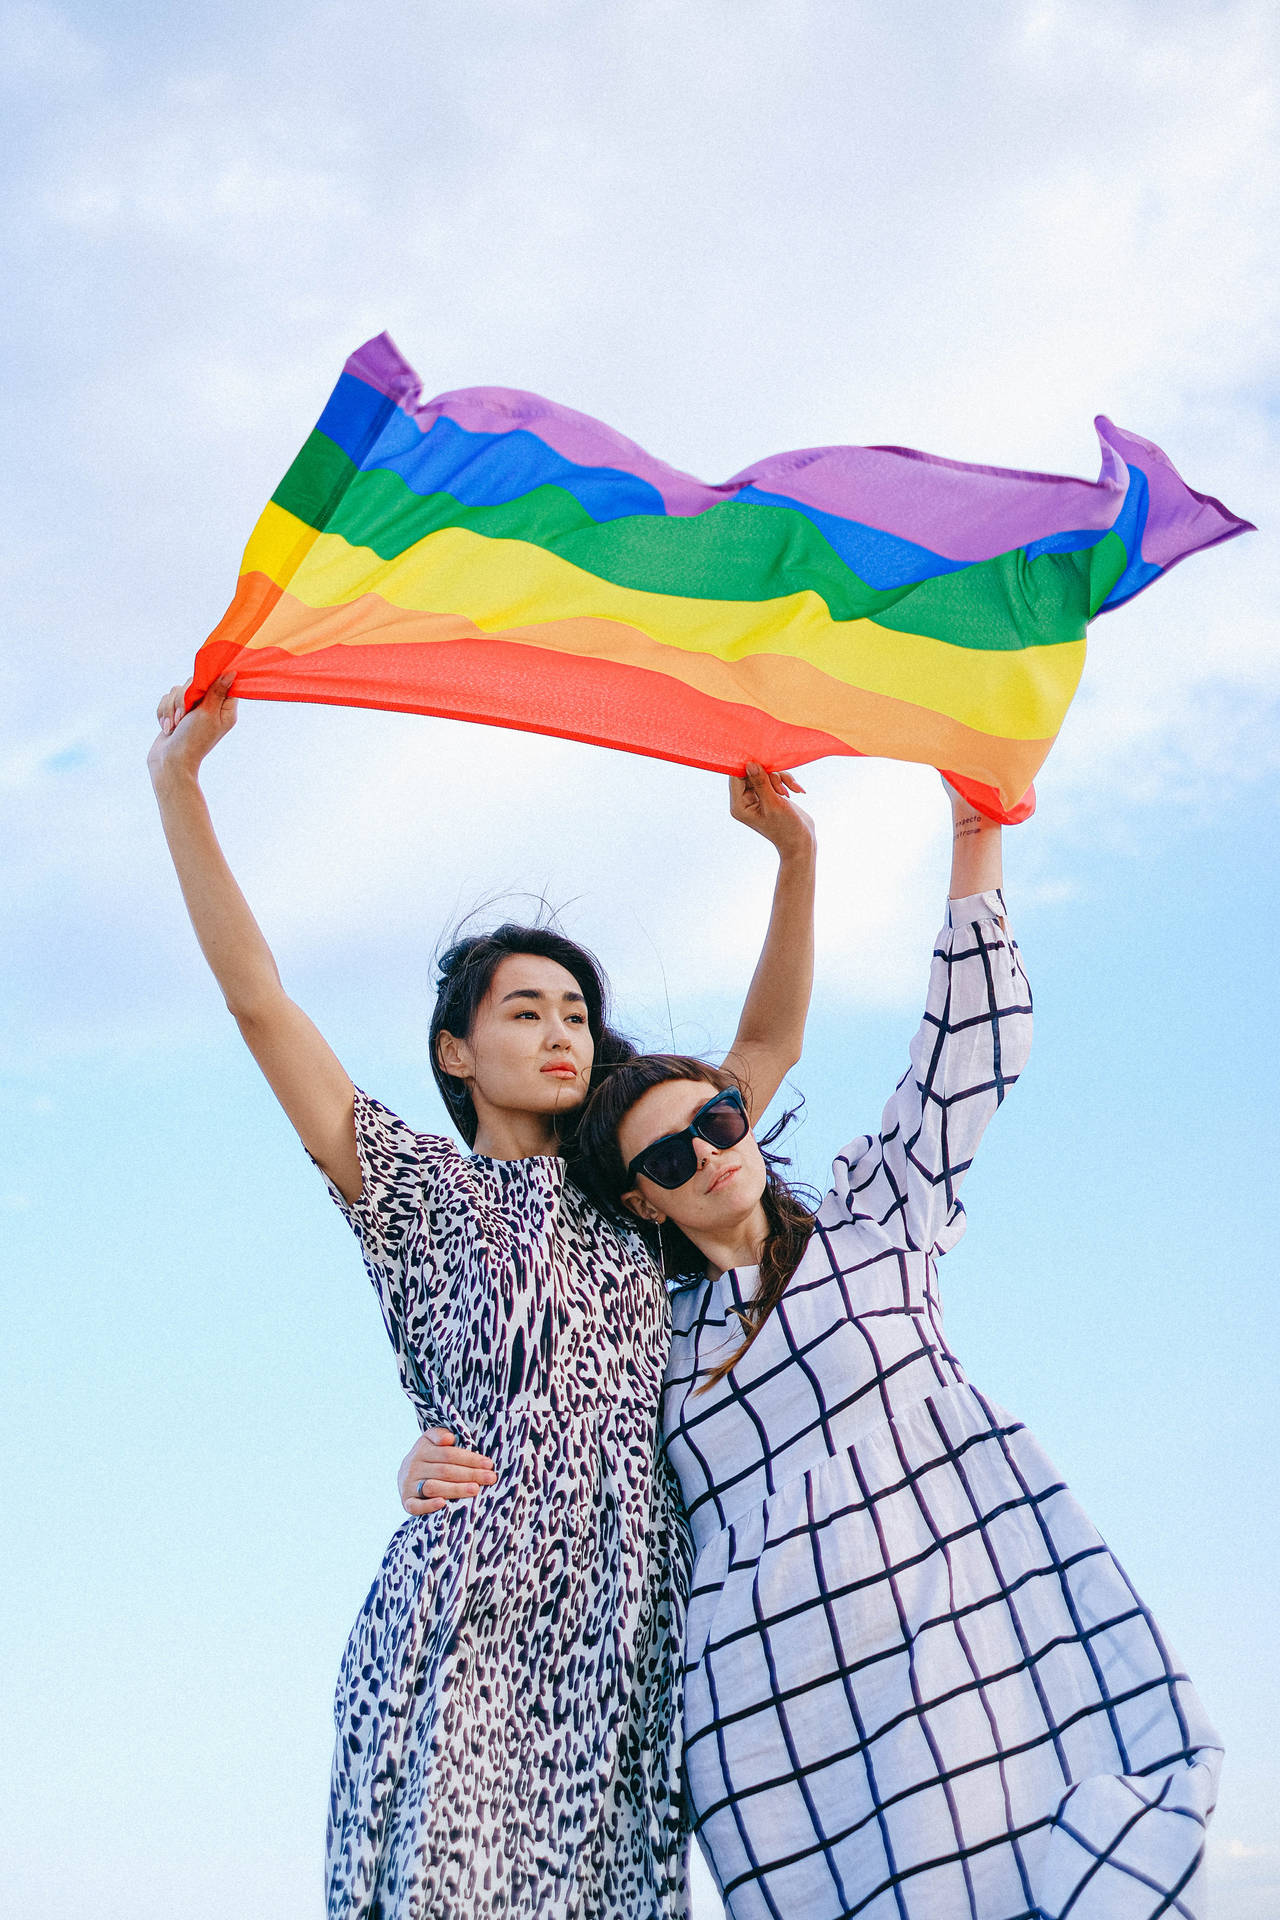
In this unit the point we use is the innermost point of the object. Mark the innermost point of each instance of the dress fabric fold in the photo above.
(919, 1685)
(507, 1709)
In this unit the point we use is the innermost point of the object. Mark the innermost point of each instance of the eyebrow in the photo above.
(536, 993)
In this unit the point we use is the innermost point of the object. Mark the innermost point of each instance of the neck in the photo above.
(504, 1135)
(743, 1247)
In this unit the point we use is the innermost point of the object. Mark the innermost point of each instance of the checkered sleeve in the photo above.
(970, 1048)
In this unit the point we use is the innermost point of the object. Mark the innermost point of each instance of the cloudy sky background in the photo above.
(727, 227)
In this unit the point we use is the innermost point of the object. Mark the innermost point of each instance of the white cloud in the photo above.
(193, 170)
(40, 47)
(41, 755)
(962, 231)
(1244, 1875)
(1236, 1849)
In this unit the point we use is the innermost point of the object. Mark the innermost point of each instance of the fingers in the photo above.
(430, 1492)
(472, 1478)
(437, 1470)
(435, 1492)
(413, 1505)
(172, 708)
(782, 783)
(216, 702)
(751, 797)
(761, 799)
(169, 711)
(437, 1451)
(756, 786)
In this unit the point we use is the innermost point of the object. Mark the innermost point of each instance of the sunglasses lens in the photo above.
(724, 1124)
(669, 1163)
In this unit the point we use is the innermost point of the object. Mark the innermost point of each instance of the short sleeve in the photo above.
(969, 1050)
(401, 1174)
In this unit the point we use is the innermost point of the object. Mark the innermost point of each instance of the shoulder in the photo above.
(390, 1145)
(689, 1305)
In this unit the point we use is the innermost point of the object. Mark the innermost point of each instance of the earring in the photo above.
(662, 1263)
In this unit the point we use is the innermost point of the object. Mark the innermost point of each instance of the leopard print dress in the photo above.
(507, 1710)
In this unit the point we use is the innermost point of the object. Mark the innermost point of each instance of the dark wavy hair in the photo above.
(600, 1171)
(466, 969)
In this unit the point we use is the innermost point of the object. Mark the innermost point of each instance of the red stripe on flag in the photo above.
(491, 683)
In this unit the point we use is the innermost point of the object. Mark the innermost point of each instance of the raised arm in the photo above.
(303, 1071)
(970, 1048)
(770, 1034)
(976, 862)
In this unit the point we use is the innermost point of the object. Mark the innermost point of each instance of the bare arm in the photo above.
(770, 1036)
(975, 849)
(304, 1073)
(768, 1043)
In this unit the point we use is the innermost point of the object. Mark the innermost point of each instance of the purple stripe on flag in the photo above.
(1180, 521)
(959, 510)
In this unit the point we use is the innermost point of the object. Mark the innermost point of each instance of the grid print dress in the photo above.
(918, 1686)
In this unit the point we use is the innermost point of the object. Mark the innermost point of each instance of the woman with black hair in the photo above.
(507, 1708)
(918, 1685)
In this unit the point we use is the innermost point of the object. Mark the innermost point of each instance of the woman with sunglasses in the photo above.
(507, 1708)
(917, 1684)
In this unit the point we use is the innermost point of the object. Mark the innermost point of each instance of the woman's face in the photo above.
(530, 1048)
(725, 1191)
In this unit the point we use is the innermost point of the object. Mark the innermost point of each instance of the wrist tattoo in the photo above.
(966, 824)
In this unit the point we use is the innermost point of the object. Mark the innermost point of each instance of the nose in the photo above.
(704, 1150)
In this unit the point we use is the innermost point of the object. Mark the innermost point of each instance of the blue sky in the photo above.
(728, 228)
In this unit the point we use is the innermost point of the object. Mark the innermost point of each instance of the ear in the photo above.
(636, 1203)
(454, 1057)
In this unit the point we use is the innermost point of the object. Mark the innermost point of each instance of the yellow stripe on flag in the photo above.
(1020, 695)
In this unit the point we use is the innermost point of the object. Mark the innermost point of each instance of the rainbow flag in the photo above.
(492, 556)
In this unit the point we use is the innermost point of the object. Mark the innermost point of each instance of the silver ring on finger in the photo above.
(420, 1494)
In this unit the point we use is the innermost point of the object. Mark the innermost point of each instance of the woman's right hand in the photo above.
(761, 800)
(185, 738)
(436, 1470)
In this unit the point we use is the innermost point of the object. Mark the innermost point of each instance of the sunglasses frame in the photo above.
(688, 1134)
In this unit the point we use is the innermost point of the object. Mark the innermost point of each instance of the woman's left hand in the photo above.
(762, 801)
(436, 1470)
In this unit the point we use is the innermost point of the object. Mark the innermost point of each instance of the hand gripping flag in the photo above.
(492, 556)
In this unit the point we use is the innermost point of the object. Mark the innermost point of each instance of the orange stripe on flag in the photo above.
(799, 694)
(601, 702)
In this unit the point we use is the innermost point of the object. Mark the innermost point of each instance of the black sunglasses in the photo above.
(672, 1160)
